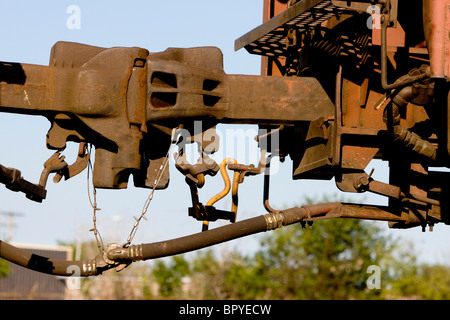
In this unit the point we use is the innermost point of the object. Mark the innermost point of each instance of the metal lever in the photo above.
(54, 164)
(77, 167)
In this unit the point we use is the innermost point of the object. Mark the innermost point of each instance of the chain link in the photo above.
(93, 201)
(98, 237)
(155, 183)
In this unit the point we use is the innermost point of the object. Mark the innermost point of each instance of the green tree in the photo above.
(169, 276)
(419, 281)
(329, 261)
(433, 282)
(229, 276)
(4, 268)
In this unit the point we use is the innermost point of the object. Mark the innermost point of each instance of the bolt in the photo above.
(361, 182)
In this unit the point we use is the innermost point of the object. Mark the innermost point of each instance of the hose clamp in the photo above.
(274, 220)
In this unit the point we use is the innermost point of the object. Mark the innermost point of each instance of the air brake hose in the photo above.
(222, 234)
(50, 266)
(164, 248)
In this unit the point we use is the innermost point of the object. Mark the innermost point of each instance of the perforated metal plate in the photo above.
(269, 39)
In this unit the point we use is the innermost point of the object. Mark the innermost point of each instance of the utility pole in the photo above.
(10, 223)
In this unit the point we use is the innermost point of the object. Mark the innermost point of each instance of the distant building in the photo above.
(24, 284)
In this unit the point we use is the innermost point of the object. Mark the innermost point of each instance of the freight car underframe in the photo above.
(332, 113)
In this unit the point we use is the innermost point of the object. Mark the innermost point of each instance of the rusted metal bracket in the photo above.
(204, 166)
(110, 97)
(55, 163)
(12, 179)
(77, 167)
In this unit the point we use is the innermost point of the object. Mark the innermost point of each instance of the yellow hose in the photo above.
(224, 192)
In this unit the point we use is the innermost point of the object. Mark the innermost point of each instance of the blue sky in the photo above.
(30, 28)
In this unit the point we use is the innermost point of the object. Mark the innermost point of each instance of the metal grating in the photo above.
(269, 39)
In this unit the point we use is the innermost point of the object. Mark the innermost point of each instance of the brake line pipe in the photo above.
(222, 234)
(111, 258)
(50, 266)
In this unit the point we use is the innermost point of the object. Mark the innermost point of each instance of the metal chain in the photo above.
(98, 237)
(150, 197)
(93, 202)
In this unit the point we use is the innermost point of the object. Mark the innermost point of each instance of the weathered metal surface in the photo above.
(13, 180)
(107, 97)
(437, 28)
(191, 83)
(84, 94)
(351, 92)
(361, 90)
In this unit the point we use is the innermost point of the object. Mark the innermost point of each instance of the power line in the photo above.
(10, 225)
